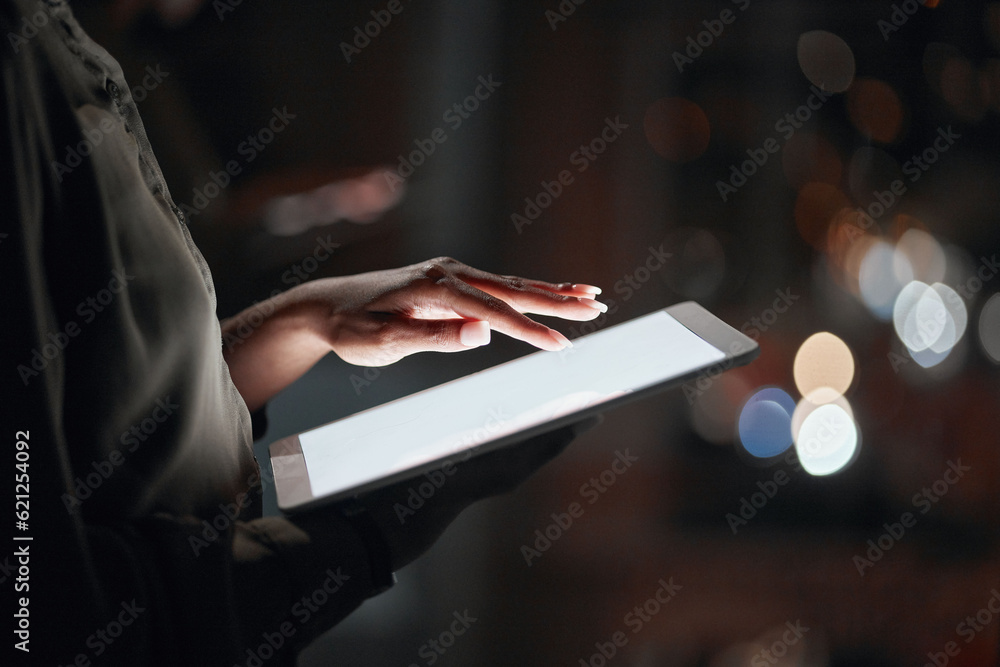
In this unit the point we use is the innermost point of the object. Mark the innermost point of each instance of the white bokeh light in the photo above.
(921, 256)
(989, 328)
(882, 274)
(929, 320)
(827, 440)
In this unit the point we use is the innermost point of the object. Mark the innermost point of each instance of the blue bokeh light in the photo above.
(765, 424)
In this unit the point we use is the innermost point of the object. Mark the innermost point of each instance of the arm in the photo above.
(377, 318)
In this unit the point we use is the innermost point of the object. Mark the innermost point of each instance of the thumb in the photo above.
(441, 335)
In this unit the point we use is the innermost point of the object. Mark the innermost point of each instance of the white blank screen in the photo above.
(490, 404)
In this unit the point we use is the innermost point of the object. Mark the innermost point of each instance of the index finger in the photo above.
(472, 303)
(574, 301)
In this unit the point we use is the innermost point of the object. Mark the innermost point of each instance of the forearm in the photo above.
(273, 343)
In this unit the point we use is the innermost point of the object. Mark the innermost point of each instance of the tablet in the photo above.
(503, 405)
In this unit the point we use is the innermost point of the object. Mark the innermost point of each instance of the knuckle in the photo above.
(439, 267)
(513, 282)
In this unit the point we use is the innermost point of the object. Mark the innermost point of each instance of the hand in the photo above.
(409, 533)
(377, 318)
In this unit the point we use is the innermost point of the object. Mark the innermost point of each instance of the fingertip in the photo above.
(560, 339)
(475, 333)
(593, 303)
(590, 289)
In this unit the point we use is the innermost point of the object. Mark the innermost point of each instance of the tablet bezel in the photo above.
(291, 477)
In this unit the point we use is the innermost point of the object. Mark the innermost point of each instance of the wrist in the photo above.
(309, 308)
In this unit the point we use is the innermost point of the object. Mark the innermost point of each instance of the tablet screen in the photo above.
(465, 413)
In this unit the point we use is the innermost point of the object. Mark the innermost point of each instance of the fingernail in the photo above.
(475, 334)
(580, 287)
(596, 305)
(562, 340)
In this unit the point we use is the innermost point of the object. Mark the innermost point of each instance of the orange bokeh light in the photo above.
(815, 208)
(875, 109)
(677, 129)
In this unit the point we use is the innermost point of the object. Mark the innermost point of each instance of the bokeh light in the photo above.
(826, 60)
(989, 328)
(923, 256)
(823, 368)
(765, 425)
(875, 110)
(952, 76)
(960, 88)
(677, 129)
(881, 276)
(806, 407)
(929, 320)
(697, 265)
(827, 442)
(815, 208)
(359, 200)
(856, 245)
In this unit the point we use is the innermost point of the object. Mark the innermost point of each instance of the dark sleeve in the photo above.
(161, 589)
(258, 420)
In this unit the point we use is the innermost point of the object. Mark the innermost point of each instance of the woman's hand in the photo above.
(374, 319)
(377, 318)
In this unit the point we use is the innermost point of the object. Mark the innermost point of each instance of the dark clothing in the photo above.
(143, 485)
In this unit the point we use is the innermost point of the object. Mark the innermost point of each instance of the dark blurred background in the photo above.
(759, 543)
